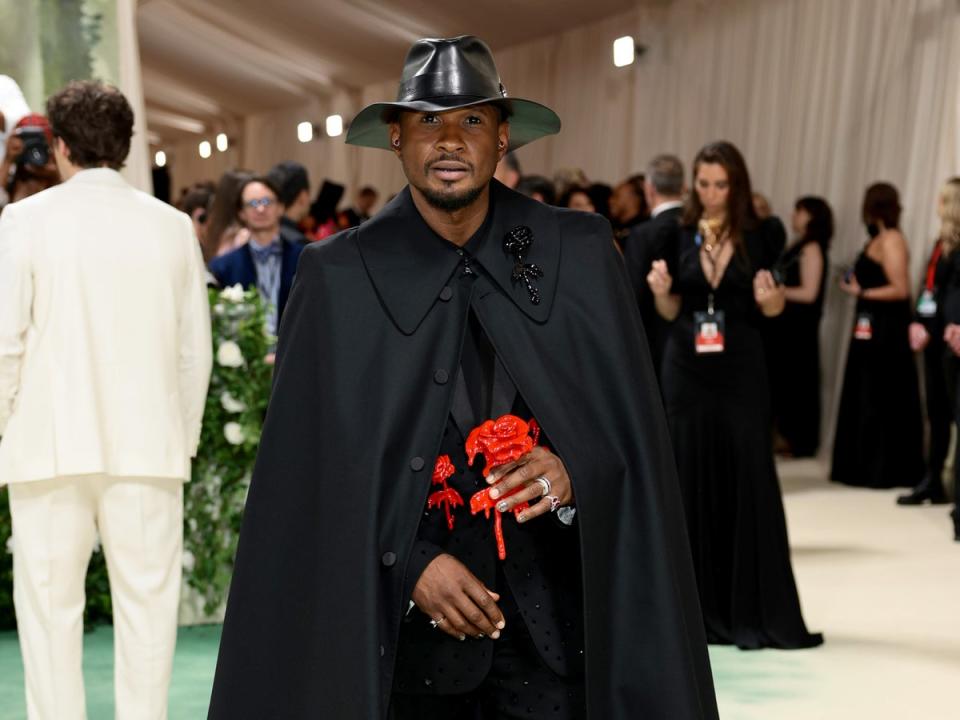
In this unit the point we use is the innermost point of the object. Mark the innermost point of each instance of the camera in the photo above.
(36, 151)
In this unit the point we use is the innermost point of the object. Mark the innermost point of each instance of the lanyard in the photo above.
(932, 265)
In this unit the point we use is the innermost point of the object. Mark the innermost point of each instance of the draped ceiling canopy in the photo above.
(207, 63)
(823, 96)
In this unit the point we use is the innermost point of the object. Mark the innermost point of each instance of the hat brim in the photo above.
(528, 120)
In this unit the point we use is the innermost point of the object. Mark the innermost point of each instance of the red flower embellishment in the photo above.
(501, 441)
(447, 497)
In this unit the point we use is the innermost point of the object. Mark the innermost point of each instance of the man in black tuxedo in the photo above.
(663, 187)
(357, 595)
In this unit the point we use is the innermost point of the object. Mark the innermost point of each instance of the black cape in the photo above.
(352, 430)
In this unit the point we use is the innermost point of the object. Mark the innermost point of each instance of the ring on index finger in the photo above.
(436, 623)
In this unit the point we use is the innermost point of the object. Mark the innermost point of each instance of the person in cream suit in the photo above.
(105, 358)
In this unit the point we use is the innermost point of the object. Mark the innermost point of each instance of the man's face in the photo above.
(260, 210)
(450, 157)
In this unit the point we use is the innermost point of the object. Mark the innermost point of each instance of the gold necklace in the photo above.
(714, 235)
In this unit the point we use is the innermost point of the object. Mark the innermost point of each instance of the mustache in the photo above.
(447, 157)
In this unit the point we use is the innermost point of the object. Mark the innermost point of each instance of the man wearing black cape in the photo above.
(364, 585)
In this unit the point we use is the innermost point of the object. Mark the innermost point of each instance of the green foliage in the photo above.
(236, 405)
(214, 499)
(7, 620)
(67, 37)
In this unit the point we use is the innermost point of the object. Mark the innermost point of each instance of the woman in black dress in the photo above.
(714, 289)
(794, 349)
(879, 438)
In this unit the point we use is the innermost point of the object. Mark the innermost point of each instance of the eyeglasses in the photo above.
(259, 203)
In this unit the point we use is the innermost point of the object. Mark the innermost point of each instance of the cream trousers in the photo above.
(55, 526)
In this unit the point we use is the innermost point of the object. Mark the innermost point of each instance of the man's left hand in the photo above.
(539, 462)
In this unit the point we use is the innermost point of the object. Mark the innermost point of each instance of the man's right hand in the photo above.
(459, 603)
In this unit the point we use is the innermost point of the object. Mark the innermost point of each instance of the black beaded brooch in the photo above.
(517, 242)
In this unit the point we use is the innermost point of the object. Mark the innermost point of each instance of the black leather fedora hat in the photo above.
(447, 74)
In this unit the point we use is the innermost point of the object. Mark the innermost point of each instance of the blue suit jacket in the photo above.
(237, 266)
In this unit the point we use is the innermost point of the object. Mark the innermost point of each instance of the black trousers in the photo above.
(519, 685)
(939, 384)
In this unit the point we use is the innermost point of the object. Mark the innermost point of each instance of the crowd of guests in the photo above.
(731, 306)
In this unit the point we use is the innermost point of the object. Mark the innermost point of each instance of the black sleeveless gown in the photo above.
(879, 437)
(795, 362)
(718, 409)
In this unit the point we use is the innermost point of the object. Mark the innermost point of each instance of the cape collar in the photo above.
(409, 264)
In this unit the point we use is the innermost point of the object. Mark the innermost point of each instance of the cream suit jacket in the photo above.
(105, 350)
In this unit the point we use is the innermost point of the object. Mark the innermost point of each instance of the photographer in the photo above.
(13, 106)
(28, 165)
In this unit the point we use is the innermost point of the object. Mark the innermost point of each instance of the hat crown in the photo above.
(449, 67)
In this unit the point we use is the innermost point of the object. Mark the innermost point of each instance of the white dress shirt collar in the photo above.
(664, 206)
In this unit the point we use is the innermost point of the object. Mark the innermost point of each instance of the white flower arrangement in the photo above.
(233, 294)
(230, 403)
(234, 434)
(235, 408)
(229, 355)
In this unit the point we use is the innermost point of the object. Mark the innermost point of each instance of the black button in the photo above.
(389, 559)
(440, 377)
(382, 651)
(446, 294)
(416, 464)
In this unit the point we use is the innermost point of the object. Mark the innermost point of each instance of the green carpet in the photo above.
(746, 682)
(189, 692)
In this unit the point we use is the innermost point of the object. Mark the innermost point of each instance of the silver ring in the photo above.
(544, 482)
(554, 502)
(436, 623)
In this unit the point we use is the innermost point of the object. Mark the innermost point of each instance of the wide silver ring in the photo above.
(544, 483)
(554, 502)
(437, 623)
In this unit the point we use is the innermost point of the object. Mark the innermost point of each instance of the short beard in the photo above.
(452, 203)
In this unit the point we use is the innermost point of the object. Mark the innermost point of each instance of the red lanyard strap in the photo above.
(932, 265)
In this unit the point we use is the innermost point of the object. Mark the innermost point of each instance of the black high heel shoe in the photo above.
(926, 491)
(956, 523)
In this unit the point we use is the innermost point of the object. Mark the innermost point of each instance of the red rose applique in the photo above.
(447, 496)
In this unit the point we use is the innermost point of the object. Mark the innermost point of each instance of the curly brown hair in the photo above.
(94, 120)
